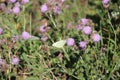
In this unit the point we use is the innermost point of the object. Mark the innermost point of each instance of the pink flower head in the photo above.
(12, 1)
(106, 3)
(44, 38)
(42, 29)
(1, 31)
(96, 37)
(87, 30)
(44, 8)
(2, 61)
(84, 21)
(104, 50)
(57, 10)
(70, 41)
(16, 10)
(25, 35)
(79, 27)
(17, 4)
(15, 60)
(24, 1)
(15, 38)
(82, 44)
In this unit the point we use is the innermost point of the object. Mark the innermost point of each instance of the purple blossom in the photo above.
(16, 10)
(106, 3)
(44, 38)
(25, 35)
(96, 37)
(2, 6)
(103, 49)
(17, 4)
(12, 1)
(24, 1)
(82, 44)
(1, 31)
(2, 62)
(44, 8)
(15, 38)
(79, 27)
(87, 30)
(62, 0)
(15, 60)
(70, 41)
(84, 21)
(42, 29)
(57, 10)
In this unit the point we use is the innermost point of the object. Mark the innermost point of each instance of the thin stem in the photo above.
(51, 17)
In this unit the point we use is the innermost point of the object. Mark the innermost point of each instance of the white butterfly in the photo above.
(59, 44)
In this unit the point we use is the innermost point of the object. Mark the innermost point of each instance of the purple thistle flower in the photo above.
(103, 49)
(42, 29)
(44, 8)
(12, 1)
(24, 1)
(17, 4)
(15, 60)
(62, 0)
(79, 27)
(1, 31)
(15, 39)
(44, 38)
(16, 10)
(57, 10)
(25, 35)
(96, 37)
(82, 44)
(106, 3)
(2, 62)
(70, 41)
(84, 21)
(2, 6)
(87, 30)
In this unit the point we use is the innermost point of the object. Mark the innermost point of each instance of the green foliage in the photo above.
(53, 59)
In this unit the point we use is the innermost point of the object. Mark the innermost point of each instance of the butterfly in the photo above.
(59, 44)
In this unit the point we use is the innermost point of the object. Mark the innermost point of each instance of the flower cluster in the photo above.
(14, 6)
(86, 27)
(54, 6)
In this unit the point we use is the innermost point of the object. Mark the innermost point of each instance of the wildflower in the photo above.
(103, 49)
(14, 39)
(44, 8)
(42, 29)
(15, 60)
(96, 37)
(25, 35)
(84, 21)
(57, 10)
(12, 1)
(2, 62)
(79, 27)
(24, 1)
(62, 0)
(2, 6)
(44, 38)
(17, 4)
(70, 41)
(106, 3)
(16, 10)
(82, 44)
(87, 30)
(1, 31)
